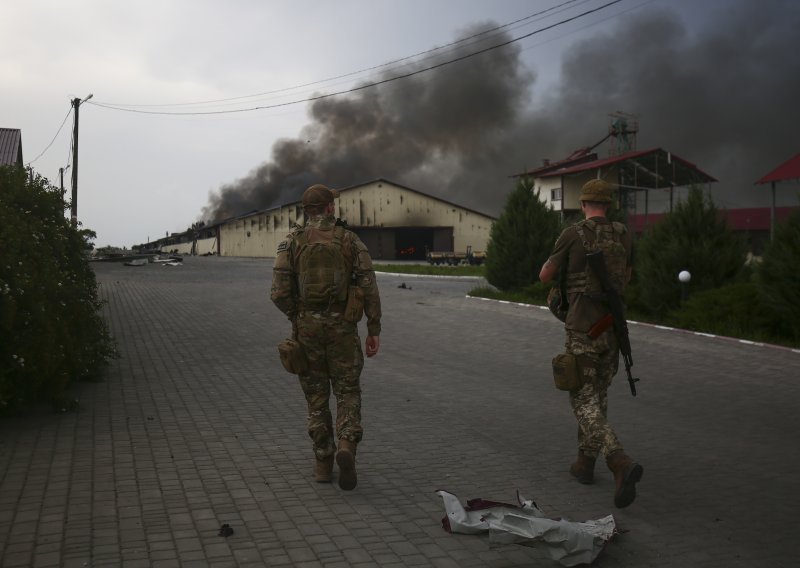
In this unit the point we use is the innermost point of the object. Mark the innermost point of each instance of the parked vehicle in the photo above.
(454, 258)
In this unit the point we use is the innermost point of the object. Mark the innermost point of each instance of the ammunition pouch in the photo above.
(354, 309)
(566, 373)
(293, 357)
(557, 303)
(570, 371)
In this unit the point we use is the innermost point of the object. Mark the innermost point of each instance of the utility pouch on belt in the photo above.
(354, 309)
(293, 357)
(567, 372)
(557, 303)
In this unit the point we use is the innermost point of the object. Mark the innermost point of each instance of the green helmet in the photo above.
(596, 190)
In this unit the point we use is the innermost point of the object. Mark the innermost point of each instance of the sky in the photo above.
(200, 109)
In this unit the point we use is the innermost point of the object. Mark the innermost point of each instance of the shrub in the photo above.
(732, 310)
(695, 238)
(52, 331)
(521, 239)
(779, 275)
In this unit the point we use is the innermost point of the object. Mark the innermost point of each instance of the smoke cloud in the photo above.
(724, 98)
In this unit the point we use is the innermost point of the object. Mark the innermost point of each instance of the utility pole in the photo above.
(76, 104)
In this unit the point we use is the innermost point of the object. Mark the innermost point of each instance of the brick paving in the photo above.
(197, 425)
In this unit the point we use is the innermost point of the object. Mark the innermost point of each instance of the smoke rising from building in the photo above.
(422, 131)
(724, 98)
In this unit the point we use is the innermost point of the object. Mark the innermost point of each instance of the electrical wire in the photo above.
(54, 138)
(592, 24)
(368, 85)
(458, 42)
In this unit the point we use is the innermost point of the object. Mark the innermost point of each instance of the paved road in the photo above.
(197, 425)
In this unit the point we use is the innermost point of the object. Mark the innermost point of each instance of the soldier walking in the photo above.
(323, 280)
(590, 335)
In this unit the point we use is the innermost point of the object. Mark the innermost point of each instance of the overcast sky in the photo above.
(143, 175)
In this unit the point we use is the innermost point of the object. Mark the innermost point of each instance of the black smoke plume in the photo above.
(724, 97)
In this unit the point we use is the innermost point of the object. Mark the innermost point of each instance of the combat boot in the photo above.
(323, 469)
(583, 468)
(346, 460)
(627, 473)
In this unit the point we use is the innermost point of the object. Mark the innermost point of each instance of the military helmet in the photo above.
(596, 190)
(319, 195)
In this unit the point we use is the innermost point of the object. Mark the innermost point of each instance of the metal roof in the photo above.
(746, 219)
(10, 146)
(298, 201)
(640, 169)
(788, 170)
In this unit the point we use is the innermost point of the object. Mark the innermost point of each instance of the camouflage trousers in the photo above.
(600, 362)
(335, 362)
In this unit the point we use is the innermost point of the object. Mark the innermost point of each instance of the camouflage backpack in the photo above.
(607, 238)
(323, 272)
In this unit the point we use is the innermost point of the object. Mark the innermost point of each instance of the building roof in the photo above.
(789, 170)
(639, 169)
(297, 202)
(745, 219)
(10, 146)
(384, 180)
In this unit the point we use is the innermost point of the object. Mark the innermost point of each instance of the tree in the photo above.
(51, 329)
(779, 277)
(695, 237)
(521, 239)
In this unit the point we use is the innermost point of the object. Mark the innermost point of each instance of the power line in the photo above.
(368, 85)
(594, 23)
(63, 122)
(366, 70)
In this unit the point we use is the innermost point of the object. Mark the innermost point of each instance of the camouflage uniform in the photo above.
(331, 344)
(599, 357)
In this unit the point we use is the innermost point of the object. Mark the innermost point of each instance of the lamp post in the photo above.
(684, 277)
(76, 104)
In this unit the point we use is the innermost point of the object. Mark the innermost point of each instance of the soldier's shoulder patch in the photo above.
(283, 246)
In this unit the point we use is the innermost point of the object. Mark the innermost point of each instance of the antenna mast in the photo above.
(622, 130)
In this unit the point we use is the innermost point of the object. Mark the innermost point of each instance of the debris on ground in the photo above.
(136, 262)
(569, 543)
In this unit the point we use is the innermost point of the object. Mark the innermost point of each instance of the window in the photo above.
(555, 194)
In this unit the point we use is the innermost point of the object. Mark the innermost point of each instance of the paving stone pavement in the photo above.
(197, 424)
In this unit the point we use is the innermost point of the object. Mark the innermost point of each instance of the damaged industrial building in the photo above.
(394, 221)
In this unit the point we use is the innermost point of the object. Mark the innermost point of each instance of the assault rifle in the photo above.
(597, 263)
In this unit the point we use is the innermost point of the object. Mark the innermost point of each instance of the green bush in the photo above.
(733, 310)
(52, 331)
(695, 238)
(521, 239)
(779, 276)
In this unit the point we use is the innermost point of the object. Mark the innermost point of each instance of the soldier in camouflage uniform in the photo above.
(327, 331)
(593, 343)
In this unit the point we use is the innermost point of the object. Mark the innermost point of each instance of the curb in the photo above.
(663, 327)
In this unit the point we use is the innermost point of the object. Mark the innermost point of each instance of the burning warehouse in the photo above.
(394, 221)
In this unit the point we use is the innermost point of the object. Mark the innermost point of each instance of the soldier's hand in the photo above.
(372, 344)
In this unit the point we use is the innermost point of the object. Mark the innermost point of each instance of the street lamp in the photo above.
(76, 103)
(684, 277)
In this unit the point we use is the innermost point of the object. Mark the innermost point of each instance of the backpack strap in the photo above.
(338, 235)
(300, 242)
(582, 233)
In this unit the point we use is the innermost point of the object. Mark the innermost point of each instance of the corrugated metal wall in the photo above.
(389, 219)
